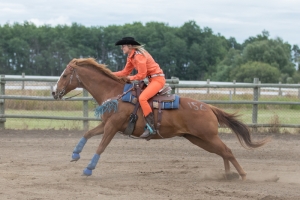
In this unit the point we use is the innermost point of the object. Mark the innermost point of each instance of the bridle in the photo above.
(62, 92)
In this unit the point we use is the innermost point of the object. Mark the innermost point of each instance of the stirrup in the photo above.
(147, 135)
(148, 132)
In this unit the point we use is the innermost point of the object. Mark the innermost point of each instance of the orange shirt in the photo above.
(144, 64)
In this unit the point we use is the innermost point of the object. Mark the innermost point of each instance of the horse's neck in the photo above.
(102, 87)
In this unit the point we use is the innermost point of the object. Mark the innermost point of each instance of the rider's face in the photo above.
(126, 49)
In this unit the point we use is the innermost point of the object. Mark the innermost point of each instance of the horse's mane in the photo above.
(80, 62)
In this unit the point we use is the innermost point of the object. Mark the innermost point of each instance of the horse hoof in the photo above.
(243, 177)
(75, 157)
(87, 172)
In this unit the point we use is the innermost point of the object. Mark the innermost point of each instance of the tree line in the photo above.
(188, 52)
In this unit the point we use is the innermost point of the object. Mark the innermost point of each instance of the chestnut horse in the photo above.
(194, 120)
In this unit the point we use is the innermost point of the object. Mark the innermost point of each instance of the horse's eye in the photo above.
(64, 76)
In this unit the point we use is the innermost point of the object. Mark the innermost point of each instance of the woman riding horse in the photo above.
(146, 66)
(196, 121)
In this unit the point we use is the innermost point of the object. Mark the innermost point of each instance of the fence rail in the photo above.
(174, 83)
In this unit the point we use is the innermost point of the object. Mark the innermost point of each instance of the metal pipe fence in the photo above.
(256, 87)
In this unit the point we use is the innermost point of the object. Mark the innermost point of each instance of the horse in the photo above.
(194, 120)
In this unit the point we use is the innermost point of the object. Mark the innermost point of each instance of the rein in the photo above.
(121, 95)
(71, 96)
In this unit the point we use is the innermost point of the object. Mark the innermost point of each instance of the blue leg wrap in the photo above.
(87, 172)
(75, 156)
(92, 165)
(80, 145)
(78, 148)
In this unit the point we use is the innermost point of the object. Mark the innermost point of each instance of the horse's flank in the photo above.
(81, 62)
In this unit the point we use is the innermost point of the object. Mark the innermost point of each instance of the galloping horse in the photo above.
(194, 120)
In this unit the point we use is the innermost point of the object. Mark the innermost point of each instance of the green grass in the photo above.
(282, 116)
(44, 124)
(267, 114)
(285, 116)
(25, 123)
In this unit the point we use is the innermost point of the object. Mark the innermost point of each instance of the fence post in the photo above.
(23, 82)
(85, 108)
(259, 82)
(174, 89)
(208, 82)
(234, 89)
(279, 91)
(2, 101)
(255, 105)
(298, 92)
(51, 89)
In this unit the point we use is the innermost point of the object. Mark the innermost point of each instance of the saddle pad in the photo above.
(129, 97)
(165, 105)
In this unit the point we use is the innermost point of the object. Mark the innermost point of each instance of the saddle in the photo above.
(167, 100)
(162, 100)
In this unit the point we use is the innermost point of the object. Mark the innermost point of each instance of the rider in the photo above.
(146, 66)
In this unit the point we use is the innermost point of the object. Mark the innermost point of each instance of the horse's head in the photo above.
(68, 80)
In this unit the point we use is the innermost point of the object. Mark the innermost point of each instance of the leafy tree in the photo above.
(233, 44)
(296, 56)
(18, 51)
(233, 58)
(172, 54)
(260, 37)
(247, 72)
(188, 52)
(204, 51)
(296, 77)
(274, 52)
(223, 73)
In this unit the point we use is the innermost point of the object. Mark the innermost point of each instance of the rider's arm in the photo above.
(140, 62)
(126, 71)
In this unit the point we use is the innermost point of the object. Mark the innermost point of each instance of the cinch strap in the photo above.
(155, 75)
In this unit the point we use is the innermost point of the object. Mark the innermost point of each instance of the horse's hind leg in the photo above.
(215, 145)
(78, 148)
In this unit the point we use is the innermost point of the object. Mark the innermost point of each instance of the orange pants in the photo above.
(155, 84)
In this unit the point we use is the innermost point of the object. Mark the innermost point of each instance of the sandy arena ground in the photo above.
(36, 165)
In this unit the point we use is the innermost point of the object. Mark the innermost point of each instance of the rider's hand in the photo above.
(128, 79)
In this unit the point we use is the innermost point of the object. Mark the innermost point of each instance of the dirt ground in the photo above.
(36, 165)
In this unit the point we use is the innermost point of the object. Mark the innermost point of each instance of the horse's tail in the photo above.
(240, 129)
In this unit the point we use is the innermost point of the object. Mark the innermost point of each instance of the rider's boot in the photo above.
(150, 124)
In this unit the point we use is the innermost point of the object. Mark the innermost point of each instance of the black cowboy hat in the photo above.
(127, 40)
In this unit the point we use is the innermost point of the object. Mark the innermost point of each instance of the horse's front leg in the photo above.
(78, 148)
(109, 133)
